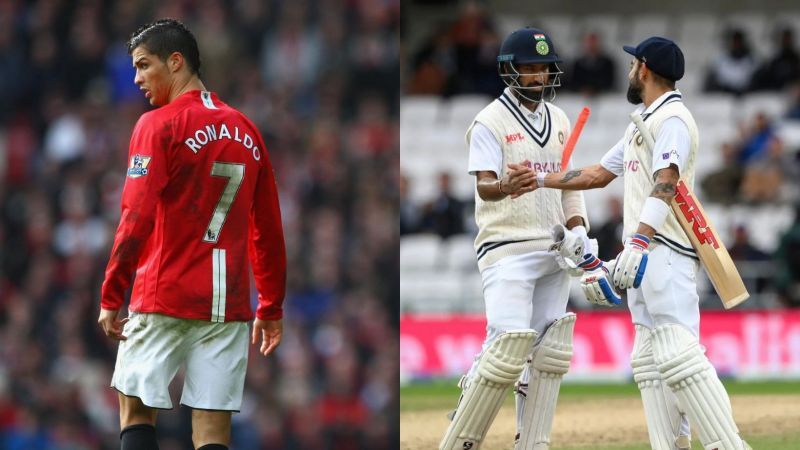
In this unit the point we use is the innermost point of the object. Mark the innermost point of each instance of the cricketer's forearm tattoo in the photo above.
(570, 175)
(664, 191)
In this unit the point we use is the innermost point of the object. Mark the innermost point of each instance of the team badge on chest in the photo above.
(639, 139)
(561, 137)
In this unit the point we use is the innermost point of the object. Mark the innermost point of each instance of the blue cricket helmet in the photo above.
(529, 46)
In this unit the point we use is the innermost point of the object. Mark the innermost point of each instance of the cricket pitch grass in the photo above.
(604, 417)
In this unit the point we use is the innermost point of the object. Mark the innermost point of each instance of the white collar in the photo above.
(657, 103)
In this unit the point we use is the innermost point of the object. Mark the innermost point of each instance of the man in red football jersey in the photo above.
(199, 205)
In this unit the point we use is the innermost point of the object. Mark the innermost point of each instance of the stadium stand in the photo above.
(327, 108)
(430, 146)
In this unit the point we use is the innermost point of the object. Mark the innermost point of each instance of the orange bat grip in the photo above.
(573, 137)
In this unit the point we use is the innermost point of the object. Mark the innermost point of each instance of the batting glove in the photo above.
(585, 241)
(596, 283)
(571, 248)
(631, 262)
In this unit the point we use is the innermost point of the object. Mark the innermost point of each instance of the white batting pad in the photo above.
(498, 368)
(684, 366)
(549, 363)
(660, 404)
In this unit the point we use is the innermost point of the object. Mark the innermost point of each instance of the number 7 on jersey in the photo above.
(235, 174)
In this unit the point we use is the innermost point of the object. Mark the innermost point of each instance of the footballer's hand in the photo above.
(520, 179)
(270, 331)
(596, 286)
(110, 325)
(631, 262)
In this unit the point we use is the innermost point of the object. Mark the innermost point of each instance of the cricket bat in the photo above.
(698, 227)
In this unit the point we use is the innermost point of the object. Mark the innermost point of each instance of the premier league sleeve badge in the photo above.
(138, 167)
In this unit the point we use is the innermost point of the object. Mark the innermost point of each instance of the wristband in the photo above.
(540, 179)
(590, 263)
(654, 212)
(639, 240)
(500, 186)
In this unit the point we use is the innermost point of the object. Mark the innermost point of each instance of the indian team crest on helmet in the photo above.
(541, 44)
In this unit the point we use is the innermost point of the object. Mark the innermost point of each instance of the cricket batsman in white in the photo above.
(658, 265)
(526, 245)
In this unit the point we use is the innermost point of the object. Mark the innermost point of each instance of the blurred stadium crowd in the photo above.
(320, 80)
(742, 84)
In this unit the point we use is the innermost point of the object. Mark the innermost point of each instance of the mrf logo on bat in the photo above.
(692, 214)
(138, 167)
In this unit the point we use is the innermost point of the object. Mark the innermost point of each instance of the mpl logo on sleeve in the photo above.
(138, 167)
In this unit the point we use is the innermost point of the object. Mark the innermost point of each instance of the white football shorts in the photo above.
(214, 356)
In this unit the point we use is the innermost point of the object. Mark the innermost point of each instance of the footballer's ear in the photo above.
(175, 62)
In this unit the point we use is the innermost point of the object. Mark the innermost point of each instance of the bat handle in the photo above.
(643, 130)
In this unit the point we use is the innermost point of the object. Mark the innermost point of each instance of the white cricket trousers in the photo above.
(523, 291)
(668, 293)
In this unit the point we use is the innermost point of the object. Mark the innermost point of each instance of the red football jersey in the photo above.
(199, 202)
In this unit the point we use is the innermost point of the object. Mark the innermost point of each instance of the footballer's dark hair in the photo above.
(164, 37)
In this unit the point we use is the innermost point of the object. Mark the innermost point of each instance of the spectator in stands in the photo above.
(764, 174)
(485, 79)
(787, 262)
(742, 250)
(409, 212)
(609, 234)
(476, 47)
(434, 66)
(756, 139)
(467, 47)
(445, 214)
(79, 232)
(784, 66)
(593, 71)
(372, 132)
(722, 185)
(12, 66)
(291, 51)
(793, 112)
(732, 71)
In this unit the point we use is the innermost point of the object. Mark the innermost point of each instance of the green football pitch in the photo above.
(597, 416)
